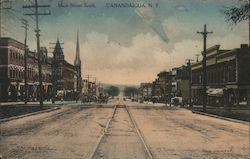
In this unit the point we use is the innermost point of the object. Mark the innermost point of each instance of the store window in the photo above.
(10, 72)
(10, 54)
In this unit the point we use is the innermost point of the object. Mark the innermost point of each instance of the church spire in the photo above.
(77, 58)
(58, 49)
(78, 67)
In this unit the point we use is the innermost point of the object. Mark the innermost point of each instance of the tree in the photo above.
(236, 14)
(128, 91)
(113, 91)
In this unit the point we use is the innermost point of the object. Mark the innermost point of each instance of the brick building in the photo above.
(63, 74)
(228, 78)
(182, 83)
(162, 86)
(12, 72)
(146, 91)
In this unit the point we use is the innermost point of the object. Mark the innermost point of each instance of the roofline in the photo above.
(9, 38)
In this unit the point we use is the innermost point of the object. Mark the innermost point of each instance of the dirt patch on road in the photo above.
(180, 134)
(121, 140)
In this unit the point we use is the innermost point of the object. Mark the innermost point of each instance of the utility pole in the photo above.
(204, 66)
(37, 14)
(88, 91)
(95, 86)
(54, 78)
(1, 18)
(1, 9)
(99, 89)
(88, 83)
(197, 57)
(189, 81)
(25, 26)
(166, 88)
(170, 87)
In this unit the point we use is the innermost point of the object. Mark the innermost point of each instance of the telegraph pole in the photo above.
(54, 78)
(95, 86)
(170, 87)
(189, 82)
(25, 26)
(88, 76)
(197, 57)
(204, 67)
(37, 14)
(88, 89)
(1, 18)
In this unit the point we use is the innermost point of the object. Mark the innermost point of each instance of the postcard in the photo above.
(124, 79)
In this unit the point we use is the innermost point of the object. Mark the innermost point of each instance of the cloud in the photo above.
(149, 16)
(114, 62)
(111, 62)
(181, 8)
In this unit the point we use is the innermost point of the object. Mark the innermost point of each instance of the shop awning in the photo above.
(217, 92)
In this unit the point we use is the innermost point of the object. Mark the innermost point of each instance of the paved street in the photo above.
(73, 132)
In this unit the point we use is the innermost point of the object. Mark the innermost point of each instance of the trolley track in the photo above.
(103, 139)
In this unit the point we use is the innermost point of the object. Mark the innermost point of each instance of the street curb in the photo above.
(220, 117)
(29, 114)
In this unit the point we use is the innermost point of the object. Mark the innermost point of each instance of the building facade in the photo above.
(162, 86)
(146, 91)
(63, 75)
(182, 83)
(12, 72)
(228, 78)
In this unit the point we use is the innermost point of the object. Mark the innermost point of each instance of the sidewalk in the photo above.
(37, 103)
(221, 117)
(236, 112)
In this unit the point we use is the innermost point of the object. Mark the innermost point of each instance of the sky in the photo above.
(121, 44)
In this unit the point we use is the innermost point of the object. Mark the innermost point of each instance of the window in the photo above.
(10, 53)
(19, 74)
(28, 71)
(13, 73)
(231, 73)
(21, 59)
(10, 75)
(16, 55)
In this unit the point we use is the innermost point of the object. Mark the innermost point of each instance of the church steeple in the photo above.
(78, 66)
(58, 49)
(77, 58)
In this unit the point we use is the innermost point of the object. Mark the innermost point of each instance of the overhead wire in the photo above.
(15, 13)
